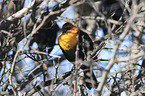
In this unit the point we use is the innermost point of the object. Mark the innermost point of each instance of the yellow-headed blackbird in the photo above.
(68, 40)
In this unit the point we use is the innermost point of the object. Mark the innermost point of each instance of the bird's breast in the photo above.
(67, 41)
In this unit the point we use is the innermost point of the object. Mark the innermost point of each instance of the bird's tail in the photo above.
(89, 77)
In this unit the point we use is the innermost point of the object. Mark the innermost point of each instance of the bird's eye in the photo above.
(68, 28)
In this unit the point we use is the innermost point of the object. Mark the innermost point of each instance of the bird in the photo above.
(68, 40)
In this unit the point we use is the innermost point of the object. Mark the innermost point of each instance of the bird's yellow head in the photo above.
(67, 40)
(69, 28)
